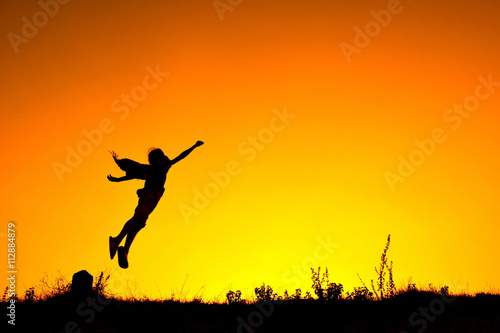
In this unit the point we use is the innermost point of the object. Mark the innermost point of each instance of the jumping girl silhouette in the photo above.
(155, 175)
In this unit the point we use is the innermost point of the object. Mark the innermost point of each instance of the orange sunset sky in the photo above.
(327, 126)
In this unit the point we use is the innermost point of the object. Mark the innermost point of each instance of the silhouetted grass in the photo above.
(478, 313)
(51, 307)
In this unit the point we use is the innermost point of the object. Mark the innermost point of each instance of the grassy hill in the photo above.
(86, 305)
(414, 311)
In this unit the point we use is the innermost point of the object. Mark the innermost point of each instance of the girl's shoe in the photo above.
(122, 257)
(112, 247)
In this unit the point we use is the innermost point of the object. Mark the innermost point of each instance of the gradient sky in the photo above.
(326, 130)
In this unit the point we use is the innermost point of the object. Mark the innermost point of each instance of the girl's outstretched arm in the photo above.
(186, 152)
(121, 179)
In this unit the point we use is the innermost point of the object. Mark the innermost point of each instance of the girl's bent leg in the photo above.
(131, 236)
(127, 227)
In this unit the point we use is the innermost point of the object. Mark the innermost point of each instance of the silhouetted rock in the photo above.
(81, 285)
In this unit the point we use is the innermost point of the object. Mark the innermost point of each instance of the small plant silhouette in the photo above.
(412, 287)
(360, 294)
(265, 293)
(4, 296)
(445, 291)
(101, 284)
(30, 296)
(234, 297)
(323, 288)
(59, 287)
(293, 297)
(385, 285)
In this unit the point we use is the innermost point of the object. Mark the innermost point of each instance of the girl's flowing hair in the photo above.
(156, 154)
(151, 149)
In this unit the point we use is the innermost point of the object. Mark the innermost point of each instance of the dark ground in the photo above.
(418, 312)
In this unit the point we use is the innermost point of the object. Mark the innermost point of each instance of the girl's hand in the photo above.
(112, 179)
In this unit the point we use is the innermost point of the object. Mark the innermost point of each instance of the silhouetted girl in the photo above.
(155, 175)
